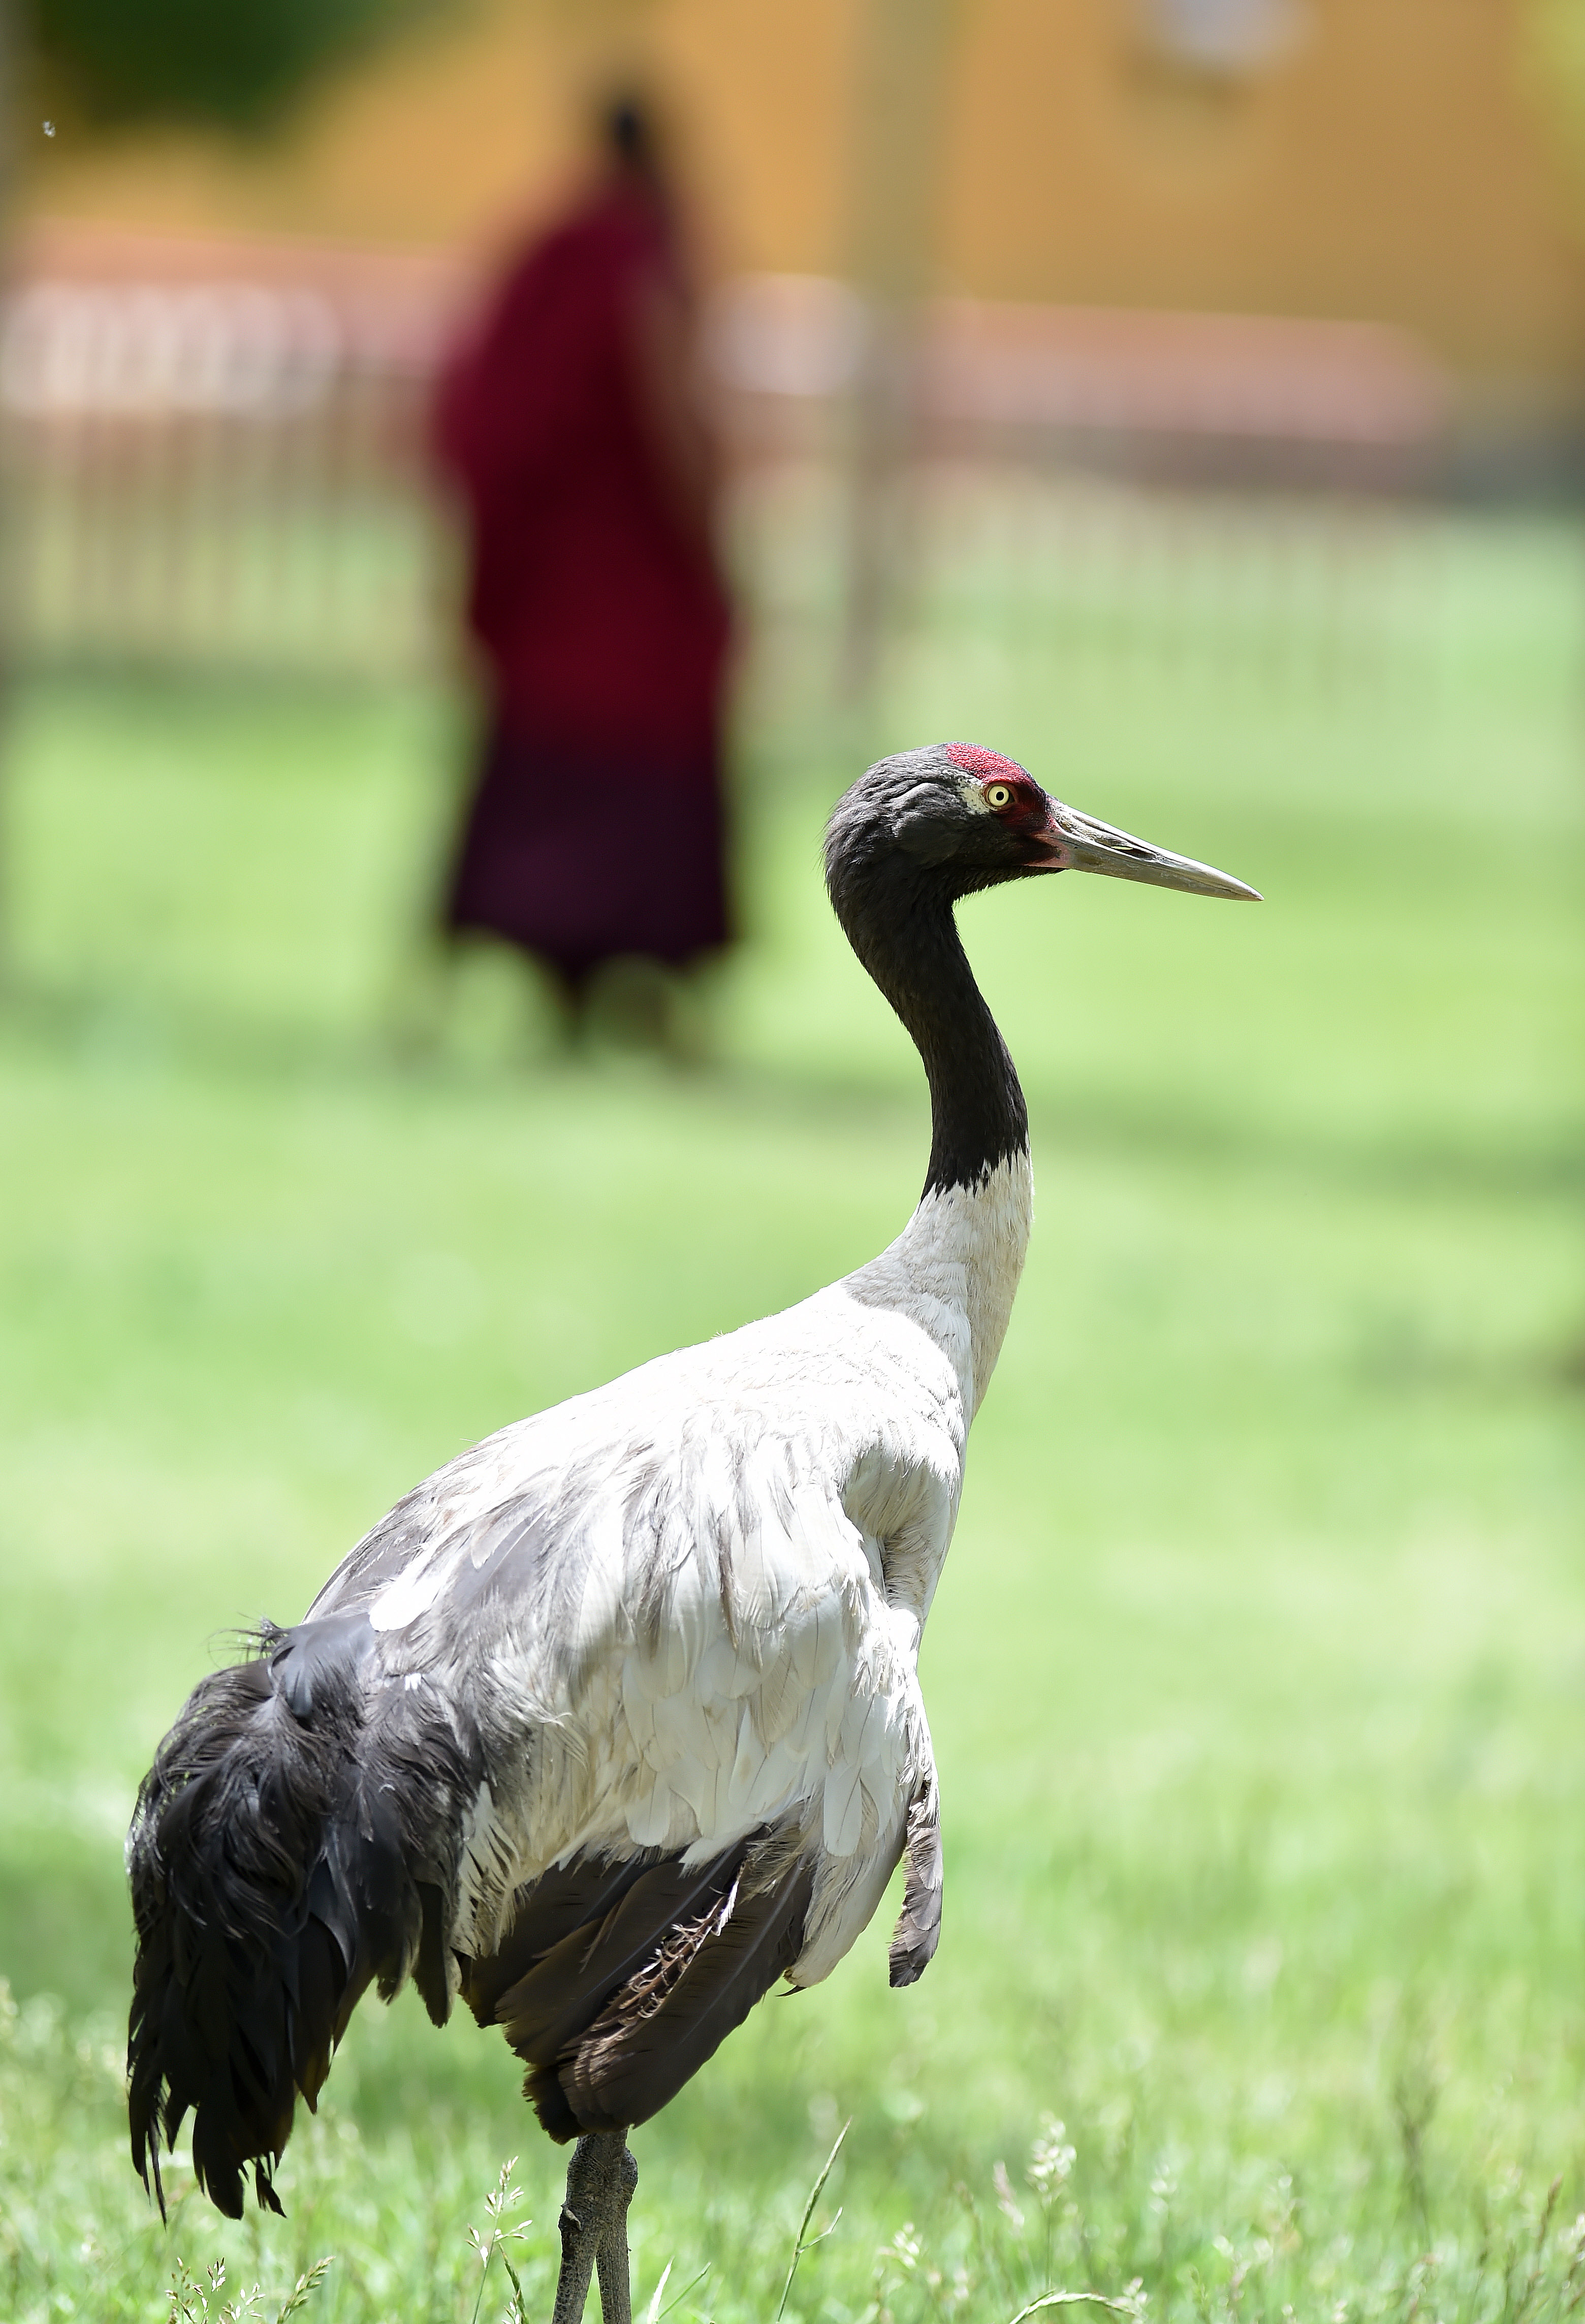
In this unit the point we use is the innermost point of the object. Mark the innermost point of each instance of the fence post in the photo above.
(894, 172)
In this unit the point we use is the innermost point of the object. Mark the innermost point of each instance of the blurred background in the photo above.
(1158, 245)
(1184, 396)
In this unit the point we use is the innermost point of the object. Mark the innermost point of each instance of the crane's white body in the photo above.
(706, 1583)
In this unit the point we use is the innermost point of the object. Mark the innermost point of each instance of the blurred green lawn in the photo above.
(1256, 1672)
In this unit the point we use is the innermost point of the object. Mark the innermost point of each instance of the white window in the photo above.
(1231, 36)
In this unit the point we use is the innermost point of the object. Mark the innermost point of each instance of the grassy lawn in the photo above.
(1256, 1673)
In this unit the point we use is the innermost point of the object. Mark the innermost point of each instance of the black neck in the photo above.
(898, 919)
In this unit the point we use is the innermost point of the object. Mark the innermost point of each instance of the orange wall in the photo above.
(1386, 168)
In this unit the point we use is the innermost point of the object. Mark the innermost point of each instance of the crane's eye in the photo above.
(997, 796)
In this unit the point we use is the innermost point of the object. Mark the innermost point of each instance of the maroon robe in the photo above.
(594, 827)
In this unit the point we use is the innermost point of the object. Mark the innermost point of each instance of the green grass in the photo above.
(1256, 1672)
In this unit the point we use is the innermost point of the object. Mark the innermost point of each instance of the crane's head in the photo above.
(963, 818)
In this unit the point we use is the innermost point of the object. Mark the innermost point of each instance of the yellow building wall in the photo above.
(1386, 167)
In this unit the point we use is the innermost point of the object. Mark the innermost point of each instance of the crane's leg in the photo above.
(616, 2270)
(601, 2181)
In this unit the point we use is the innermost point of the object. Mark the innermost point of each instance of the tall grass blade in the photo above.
(655, 2314)
(1074, 2300)
(800, 2247)
(304, 2289)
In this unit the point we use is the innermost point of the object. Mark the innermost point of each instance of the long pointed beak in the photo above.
(1079, 842)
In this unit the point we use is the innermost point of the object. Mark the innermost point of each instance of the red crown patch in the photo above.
(975, 759)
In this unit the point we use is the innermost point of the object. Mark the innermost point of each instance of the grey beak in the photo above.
(1079, 842)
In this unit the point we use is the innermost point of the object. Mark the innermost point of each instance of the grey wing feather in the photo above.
(919, 1924)
(420, 1521)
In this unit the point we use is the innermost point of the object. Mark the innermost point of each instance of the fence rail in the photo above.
(214, 453)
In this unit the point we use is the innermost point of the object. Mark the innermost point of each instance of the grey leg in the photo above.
(616, 2273)
(601, 2181)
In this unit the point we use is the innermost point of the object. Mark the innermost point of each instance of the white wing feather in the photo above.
(675, 1616)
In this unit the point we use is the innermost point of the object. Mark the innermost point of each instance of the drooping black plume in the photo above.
(617, 1978)
(282, 1859)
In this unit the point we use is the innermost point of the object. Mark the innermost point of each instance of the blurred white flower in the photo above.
(1006, 2201)
(1051, 2159)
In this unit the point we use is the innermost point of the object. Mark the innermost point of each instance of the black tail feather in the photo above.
(658, 2031)
(619, 1979)
(276, 1876)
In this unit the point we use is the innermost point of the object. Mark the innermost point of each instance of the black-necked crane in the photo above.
(615, 1721)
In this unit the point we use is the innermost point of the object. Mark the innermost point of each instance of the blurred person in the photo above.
(569, 422)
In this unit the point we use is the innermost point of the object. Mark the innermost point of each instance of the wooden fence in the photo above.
(213, 454)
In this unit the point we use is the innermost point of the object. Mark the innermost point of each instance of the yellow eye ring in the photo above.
(998, 796)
